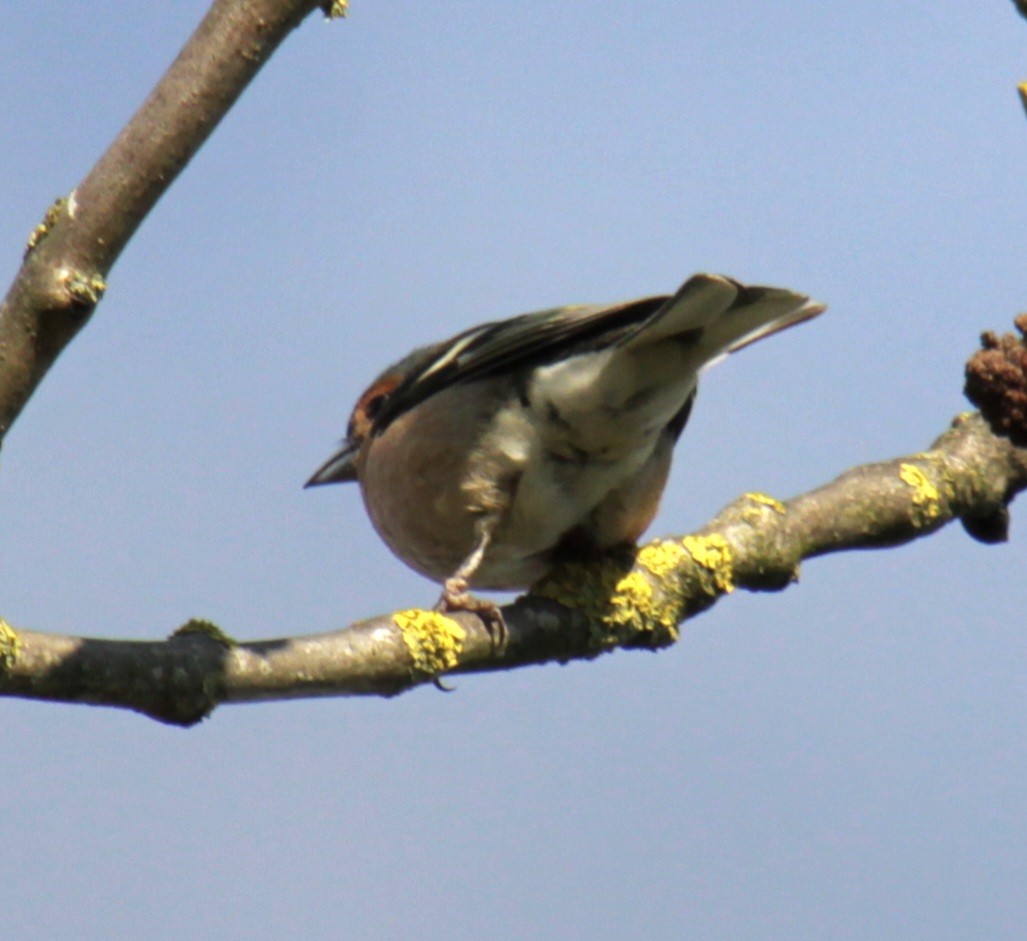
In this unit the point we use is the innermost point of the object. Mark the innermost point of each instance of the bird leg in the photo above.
(455, 594)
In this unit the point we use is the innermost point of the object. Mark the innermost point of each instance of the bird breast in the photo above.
(532, 460)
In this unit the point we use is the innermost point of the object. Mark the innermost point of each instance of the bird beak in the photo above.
(339, 468)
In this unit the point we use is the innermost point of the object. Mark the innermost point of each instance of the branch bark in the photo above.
(70, 253)
(578, 612)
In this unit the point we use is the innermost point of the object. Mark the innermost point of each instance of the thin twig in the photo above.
(71, 252)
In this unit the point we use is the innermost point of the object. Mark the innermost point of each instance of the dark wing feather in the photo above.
(718, 314)
(528, 340)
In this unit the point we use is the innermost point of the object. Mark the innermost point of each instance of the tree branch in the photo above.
(578, 612)
(635, 600)
(71, 252)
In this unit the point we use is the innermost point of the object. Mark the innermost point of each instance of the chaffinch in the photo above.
(487, 458)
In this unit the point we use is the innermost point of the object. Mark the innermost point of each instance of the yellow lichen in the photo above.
(86, 289)
(712, 554)
(433, 640)
(621, 606)
(10, 645)
(636, 607)
(942, 476)
(764, 500)
(209, 628)
(42, 230)
(661, 558)
(573, 584)
(925, 494)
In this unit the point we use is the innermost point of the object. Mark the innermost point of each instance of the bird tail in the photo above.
(722, 316)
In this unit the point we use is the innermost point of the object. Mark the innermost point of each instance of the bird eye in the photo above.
(370, 407)
(364, 415)
(374, 405)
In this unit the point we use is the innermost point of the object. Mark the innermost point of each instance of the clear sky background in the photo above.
(845, 760)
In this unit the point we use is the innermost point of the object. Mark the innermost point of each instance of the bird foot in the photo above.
(456, 597)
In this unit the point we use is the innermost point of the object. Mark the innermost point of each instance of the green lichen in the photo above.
(433, 640)
(10, 645)
(207, 628)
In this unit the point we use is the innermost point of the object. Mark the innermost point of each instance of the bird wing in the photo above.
(718, 314)
(528, 339)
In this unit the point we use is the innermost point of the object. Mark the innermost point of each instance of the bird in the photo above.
(487, 459)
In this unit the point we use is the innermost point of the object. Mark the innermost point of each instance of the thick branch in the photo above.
(580, 611)
(71, 252)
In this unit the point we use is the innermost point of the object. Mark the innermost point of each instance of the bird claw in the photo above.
(456, 597)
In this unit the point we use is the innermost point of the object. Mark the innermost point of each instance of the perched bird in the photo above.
(487, 458)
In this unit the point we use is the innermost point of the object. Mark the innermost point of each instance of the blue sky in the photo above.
(843, 760)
